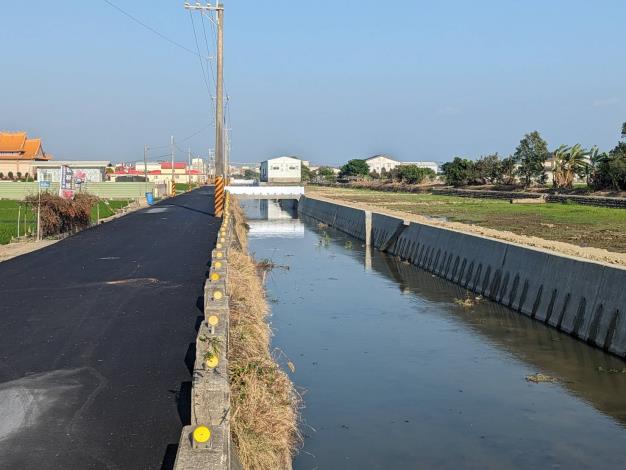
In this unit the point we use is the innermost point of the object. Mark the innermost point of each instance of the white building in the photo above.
(379, 162)
(85, 171)
(281, 170)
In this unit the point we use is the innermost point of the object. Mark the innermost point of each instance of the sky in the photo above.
(327, 81)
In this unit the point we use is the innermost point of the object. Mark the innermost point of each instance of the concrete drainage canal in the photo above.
(400, 369)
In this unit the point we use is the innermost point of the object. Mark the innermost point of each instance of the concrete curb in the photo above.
(583, 298)
(206, 443)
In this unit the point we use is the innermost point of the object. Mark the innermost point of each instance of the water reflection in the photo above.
(397, 375)
(582, 369)
(273, 219)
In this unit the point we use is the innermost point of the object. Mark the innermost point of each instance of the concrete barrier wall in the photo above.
(19, 191)
(210, 394)
(580, 297)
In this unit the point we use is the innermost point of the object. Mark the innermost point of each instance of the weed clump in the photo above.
(264, 403)
(59, 215)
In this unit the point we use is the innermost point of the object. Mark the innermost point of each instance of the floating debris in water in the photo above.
(541, 378)
(468, 301)
(267, 264)
(322, 225)
(348, 245)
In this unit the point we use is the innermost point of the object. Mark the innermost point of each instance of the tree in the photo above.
(459, 172)
(305, 173)
(384, 174)
(1, 175)
(355, 168)
(489, 168)
(595, 159)
(326, 174)
(611, 170)
(531, 155)
(624, 131)
(569, 162)
(250, 174)
(412, 174)
(507, 170)
(10, 175)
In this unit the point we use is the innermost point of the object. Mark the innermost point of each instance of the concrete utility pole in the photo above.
(220, 168)
(189, 167)
(172, 153)
(145, 167)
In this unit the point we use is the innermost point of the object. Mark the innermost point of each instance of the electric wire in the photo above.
(204, 72)
(151, 29)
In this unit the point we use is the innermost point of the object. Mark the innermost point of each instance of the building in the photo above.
(84, 171)
(281, 170)
(18, 153)
(159, 172)
(379, 162)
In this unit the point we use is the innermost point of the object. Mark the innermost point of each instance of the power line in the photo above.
(195, 134)
(151, 29)
(204, 73)
(206, 42)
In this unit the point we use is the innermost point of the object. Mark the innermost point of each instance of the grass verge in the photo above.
(264, 403)
(10, 210)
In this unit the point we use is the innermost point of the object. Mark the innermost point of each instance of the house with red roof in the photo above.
(160, 172)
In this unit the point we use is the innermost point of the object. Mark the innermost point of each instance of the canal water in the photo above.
(396, 374)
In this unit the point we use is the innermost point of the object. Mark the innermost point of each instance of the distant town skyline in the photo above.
(415, 81)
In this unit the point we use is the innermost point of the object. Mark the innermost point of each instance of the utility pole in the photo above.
(173, 191)
(145, 166)
(220, 168)
(189, 168)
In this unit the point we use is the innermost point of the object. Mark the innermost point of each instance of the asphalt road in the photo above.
(96, 340)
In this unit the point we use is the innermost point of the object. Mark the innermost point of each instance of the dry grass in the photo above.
(264, 403)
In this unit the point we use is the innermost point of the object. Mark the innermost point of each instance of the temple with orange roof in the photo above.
(18, 153)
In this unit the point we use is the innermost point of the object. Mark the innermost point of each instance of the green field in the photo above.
(573, 223)
(183, 187)
(9, 211)
(107, 208)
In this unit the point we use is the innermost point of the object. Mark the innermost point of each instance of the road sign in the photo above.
(44, 184)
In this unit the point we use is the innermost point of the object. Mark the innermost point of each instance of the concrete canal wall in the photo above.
(583, 298)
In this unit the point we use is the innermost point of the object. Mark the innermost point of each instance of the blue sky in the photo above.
(328, 81)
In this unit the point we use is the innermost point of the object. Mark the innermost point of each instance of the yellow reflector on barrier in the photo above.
(217, 295)
(201, 434)
(212, 361)
(218, 265)
(214, 320)
(215, 277)
(219, 255)
(218, 246)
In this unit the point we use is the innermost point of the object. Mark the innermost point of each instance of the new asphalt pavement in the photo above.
(96, 340)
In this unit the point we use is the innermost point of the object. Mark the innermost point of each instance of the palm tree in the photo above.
(569, 162)
(595, 160)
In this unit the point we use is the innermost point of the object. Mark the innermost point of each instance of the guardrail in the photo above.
(206, 443)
